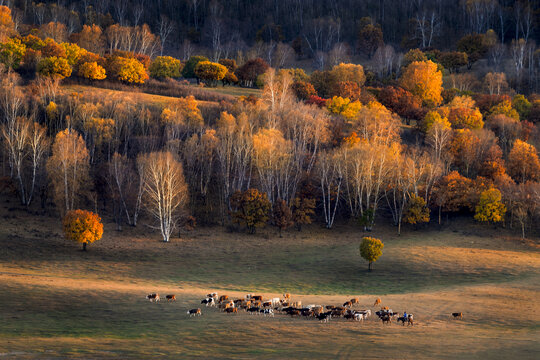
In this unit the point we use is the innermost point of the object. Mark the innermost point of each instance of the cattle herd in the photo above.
(255, 304)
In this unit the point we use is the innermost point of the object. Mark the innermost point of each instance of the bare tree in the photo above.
(330, 176)
(165, 28)
(166, 190)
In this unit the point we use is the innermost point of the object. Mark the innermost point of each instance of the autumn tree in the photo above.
(165, 67)
(523, 162)
(348, 72)
(452, 193)
(210, 72)
(303, 90)
(68, 169)
(251, 70)
(303, 209)
(54, 67)
(165, 189)
(282, 215)
(423, 79)
(7, 27)
(439, 133)
(490, 207)
(475, 46)
(495, 83)
(82, 226)
(92, 71)
(189, 68)
(128, 70)
(250, 208)
(416, 211)
(371, 249)
(402, 102)
(12, 52)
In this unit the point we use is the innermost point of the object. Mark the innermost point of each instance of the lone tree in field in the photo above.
(165, 188)
(83, 226)
(282, 215)
(371, 249)
(252, 209)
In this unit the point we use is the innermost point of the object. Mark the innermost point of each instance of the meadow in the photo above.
(61, 302)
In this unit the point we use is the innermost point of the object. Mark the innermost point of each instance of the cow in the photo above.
(457, 315)
(256, 297)
(153, 297)
(323, 317)
(286, 296)
(377, 302)
(354, 301)
(212, 295)
(253, 309)
(194, 312)
(347, 304)
(359, 316)
(297, 304)
(171, 297)
(409, 319)
(275, 301)
(211, 301)
(294, 313)
(231, 310)
(268, 312)
(385, 319)
(349, 316)
(222, 298)
(329, 307)
(267, 304)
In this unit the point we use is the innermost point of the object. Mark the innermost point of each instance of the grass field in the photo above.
(60, 302)
(235, 90)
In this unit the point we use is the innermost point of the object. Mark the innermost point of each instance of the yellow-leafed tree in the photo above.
(371, 249)
(83, 226)
(490, 208)
(423, 79)
(92, 71)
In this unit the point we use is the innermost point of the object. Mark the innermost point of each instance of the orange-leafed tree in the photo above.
(465, 118)
(423, 79)
(82, 226)
(523, 162)
(250, 208)
(68, 169)
(7, 27)
(452, 193)
(92, 71)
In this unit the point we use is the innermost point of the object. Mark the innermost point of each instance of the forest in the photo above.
(381, 112)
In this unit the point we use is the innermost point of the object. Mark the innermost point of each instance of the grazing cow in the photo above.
(347, 304)
(338, 312)
(457, 315)
(317, 310)
(355, 301)
(212, 295)
(205, 302)
(153, 297)
(267, 304)
(385, 319)
(257, 297)
(285, 303)
(238, 301)
(307, 312)
(359, 316)
(253, 309)
(323, 317)
(222, 298)
(287, 296)
(297, 304)
(377, 302)
(231, 310)
(211, 301)
(349, 316)
(268, 312)
(194, 312)
(330, 307)
(275, 301)
(294, 313)
(170, 297)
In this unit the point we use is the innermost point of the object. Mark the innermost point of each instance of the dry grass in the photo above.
(60, 302)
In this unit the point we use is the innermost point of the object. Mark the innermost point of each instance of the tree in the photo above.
(303, 90)
(92, 71)
(282, 215)
(423, 79)
(68, 169)
(251, 70)
(370, 38)
(523, 162)
(348, 72)
(474, 45)
(82, 226)
(54, 67)
(189, 68)
(210, 72)
(490, 208)
(250, 208)
(402, 102)
(165, 67)
(439, 132)
(465, 118)
(371, 249)
(12, 53)
(452, 60)
(302, 210)
(452, 193)
(495, 83)
(416, 211)
(165, 189)
(128, 70)
(7, 27)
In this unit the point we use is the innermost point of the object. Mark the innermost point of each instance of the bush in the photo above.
(165, 67)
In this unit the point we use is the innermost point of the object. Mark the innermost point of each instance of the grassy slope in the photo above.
(58, 301)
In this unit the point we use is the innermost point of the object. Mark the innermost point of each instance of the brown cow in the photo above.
(347, 304)
(355, 301)
(171, 297)
(153, 297)
(194, 312)
(377, 302)
(231, 310)
(267, 304)
(287, 296)
(222, 298)
(257, 297)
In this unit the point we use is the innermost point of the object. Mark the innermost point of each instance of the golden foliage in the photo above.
(82, 226)
(423, 79)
